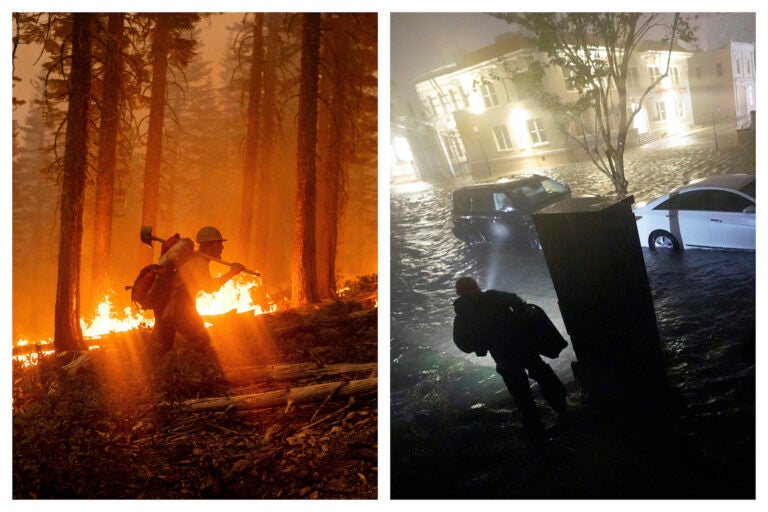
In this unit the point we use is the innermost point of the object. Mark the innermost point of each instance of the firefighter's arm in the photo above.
(214, 284)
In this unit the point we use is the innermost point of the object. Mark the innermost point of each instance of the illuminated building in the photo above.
(488, 126)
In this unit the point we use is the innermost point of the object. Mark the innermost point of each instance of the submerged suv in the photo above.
(500, 212)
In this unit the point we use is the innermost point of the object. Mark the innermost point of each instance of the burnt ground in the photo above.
(116, 428)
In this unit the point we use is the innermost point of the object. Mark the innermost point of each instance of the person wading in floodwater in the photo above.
(491, 321)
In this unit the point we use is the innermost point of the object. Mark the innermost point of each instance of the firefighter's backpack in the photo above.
(152, 287)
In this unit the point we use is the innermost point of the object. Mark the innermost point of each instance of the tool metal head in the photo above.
(146, 235)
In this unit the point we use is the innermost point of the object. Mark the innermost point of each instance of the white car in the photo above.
(717, 212)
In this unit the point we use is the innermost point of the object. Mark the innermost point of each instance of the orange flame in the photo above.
(236, 294)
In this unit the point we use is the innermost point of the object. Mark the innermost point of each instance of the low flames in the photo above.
(237, 294)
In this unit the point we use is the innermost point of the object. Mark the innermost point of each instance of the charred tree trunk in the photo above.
(332, 172)
(304, 279)
(325, 141)
(270, 128)
(105, 173)
(250, 164)
(67, 332)
(151, 197)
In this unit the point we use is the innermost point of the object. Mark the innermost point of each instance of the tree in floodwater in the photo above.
(304, 275)
(594, 51)
(68, 334)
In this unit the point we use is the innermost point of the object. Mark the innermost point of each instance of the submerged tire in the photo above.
(663, 240)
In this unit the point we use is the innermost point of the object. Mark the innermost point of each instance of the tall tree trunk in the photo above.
(303, 283)
(105, 173)
(270, 128)
(250, 164)
(325, 206)
(151, 198)
(67, 332)
(333, 164)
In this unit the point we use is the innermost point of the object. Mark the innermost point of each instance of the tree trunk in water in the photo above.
(304, 283)
(67, 332)
(151, 198)
(105, 177)
(250, 165)
(270, 127)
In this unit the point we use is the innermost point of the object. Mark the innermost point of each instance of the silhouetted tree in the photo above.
(168, 44)
(252, 139)
(304, 278)
(594, 50)
(107, 157)
(68, 335)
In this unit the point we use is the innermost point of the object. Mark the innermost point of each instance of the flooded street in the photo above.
(704, 302)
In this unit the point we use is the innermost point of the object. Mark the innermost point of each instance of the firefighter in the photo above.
(192, 276)
(495, 328)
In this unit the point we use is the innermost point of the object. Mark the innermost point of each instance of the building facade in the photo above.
(489, 127)
(723, 84)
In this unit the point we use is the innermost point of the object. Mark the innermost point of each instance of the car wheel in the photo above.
(663, 240)
(533, 239)
(476, 240)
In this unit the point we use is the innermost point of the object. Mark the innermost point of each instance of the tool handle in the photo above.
(227, 263)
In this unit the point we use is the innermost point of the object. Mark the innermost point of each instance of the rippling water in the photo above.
(704, 300)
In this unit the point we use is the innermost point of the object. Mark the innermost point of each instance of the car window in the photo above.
(694, 200)
(502, 202)
(749, 189)
(461, 201)
(481, 201)
(706, 200)
(532, 195)
(729, 202)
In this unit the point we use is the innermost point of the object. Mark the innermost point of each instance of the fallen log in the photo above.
(295, 396)
(295, 371)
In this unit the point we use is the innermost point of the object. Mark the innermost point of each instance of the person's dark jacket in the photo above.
(487, 321)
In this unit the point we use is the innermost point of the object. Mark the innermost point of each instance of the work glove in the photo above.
(236, 268)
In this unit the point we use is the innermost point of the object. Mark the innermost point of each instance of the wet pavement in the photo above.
(455, 431)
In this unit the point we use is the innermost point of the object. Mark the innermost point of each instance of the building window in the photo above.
(432, 105)
(661, 111)
(570, 80)
(633, 77)
(489, 95)
(738, 65)
(675, 73)
(654, 73)
(536, 129)
(719, 69)
(679, 111)
(501, 135)
(749, 67)
(456, 101)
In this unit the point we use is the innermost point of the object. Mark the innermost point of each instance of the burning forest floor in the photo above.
(294, 417)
